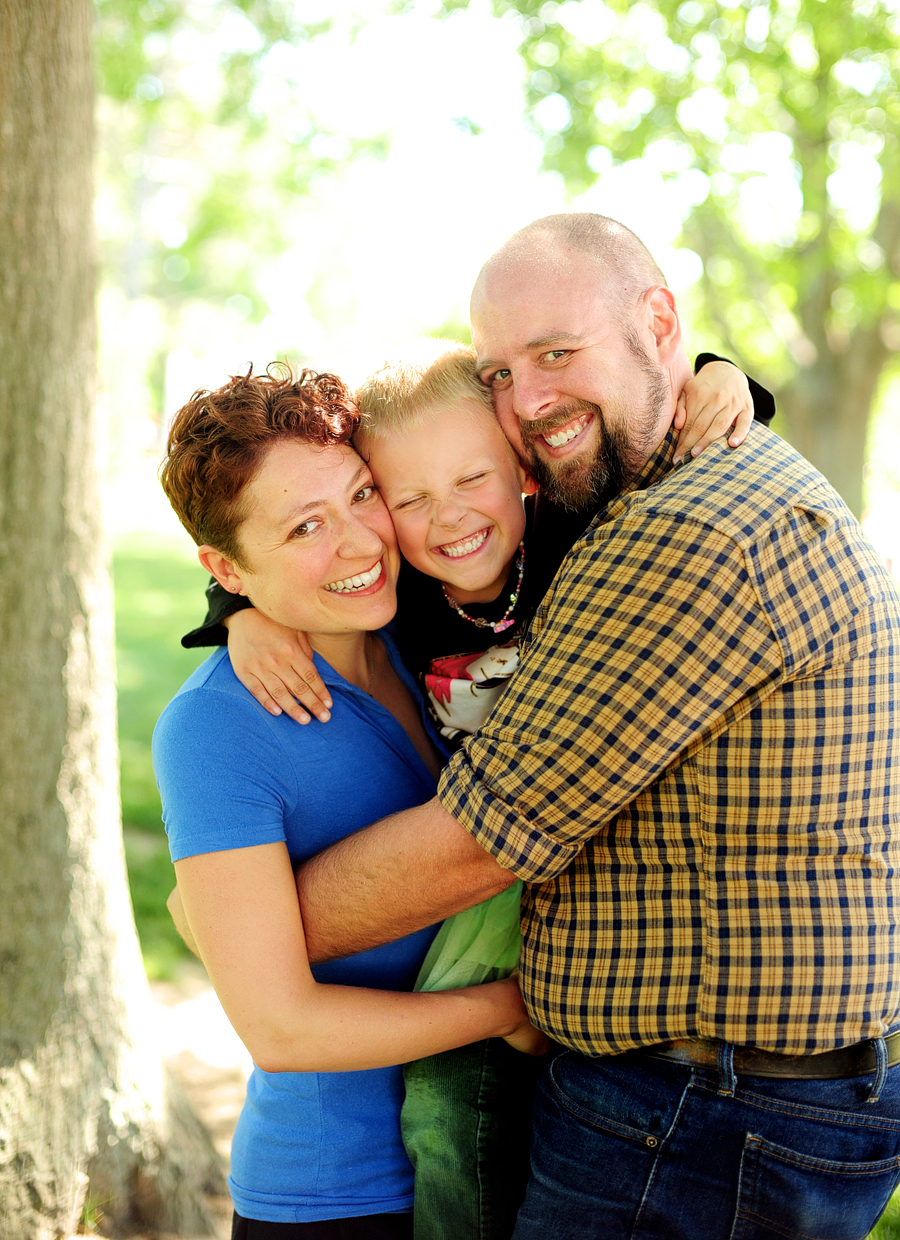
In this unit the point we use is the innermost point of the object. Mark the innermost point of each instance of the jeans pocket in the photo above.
(786, 1194)
(608, 1099)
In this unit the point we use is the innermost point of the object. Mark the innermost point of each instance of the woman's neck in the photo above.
(350, 654)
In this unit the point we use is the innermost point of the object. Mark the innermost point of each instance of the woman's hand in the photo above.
(715, 401)
(276, 665)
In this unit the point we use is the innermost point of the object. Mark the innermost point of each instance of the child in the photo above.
(477, 565)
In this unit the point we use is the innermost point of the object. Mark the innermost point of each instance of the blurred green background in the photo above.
(159, 596)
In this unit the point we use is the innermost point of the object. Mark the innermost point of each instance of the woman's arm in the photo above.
(241, 906)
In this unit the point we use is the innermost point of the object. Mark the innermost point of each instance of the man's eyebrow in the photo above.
(541, 342)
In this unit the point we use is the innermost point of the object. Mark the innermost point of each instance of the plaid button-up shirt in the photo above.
(697, 768)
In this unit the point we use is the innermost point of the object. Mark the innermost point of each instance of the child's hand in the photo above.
(713, 402)
(524, 1037)
(276, 665)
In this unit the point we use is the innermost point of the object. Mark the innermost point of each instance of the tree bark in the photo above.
(85, 1106)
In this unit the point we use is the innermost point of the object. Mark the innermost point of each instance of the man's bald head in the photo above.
(624, 266)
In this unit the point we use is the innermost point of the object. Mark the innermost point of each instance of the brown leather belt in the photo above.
(847, 1061)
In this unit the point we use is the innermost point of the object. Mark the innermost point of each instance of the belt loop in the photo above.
(725, 1060)
(881, 1069)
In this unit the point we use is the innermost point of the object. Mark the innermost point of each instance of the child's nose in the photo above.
(449, 513)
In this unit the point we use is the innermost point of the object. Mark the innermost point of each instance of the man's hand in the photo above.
(391, 879)
(275, 664)
(715, 401)
(179, 917)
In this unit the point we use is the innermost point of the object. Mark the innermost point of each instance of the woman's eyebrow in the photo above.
(309, 505)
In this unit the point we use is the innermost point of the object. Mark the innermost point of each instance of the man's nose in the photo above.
(533, 396)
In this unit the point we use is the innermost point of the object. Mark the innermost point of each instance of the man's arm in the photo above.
(399, 875)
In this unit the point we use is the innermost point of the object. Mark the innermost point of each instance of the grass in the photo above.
(159, 596)
(889, 1226)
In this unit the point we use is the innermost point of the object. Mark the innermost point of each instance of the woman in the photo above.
(262, 475)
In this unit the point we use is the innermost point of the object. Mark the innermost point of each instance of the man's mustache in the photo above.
(534, 427)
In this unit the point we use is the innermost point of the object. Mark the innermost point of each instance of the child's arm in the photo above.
(276, 665)
(241, 905)
(719, 399)
(273, 662)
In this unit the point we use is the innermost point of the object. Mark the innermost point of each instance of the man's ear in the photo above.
(224, 571)
(663, 322)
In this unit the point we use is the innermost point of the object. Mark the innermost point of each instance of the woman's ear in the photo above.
(224, 571)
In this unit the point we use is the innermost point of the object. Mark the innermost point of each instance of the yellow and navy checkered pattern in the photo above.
(697, 766)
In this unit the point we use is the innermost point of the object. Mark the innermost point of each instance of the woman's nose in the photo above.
(360, 539)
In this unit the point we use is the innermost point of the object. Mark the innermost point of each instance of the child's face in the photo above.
(453, 487)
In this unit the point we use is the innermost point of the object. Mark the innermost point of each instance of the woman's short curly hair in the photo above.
(217, 441)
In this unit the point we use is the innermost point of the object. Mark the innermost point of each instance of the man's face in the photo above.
(578, 395)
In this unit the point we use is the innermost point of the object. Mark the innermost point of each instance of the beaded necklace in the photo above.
(505, 620)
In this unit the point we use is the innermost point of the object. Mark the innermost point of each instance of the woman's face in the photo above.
(317, 542)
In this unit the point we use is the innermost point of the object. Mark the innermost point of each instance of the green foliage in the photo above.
(742, 102)
(888, 1227)
(206, 140)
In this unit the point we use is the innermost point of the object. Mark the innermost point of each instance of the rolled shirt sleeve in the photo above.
(648, 641)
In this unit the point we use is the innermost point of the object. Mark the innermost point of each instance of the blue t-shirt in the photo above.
(308, 1145)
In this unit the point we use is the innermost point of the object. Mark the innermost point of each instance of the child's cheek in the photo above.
(411, 540)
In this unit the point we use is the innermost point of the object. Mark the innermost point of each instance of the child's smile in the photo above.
(453, 487)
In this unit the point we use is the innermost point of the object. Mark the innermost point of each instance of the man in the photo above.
(694, 768)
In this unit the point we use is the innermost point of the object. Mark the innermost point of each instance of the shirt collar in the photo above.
(660, 463)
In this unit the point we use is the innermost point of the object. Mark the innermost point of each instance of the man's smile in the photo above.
(564, 435)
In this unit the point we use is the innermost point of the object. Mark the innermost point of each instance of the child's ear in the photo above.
(223, 570)
(529, 485)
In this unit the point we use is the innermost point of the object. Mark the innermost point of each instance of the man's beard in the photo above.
(589, 481)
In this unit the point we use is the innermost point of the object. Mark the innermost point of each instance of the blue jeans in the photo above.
(649, 1149)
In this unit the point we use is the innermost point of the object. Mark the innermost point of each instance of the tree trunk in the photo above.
(85, 1106)
(828, 409)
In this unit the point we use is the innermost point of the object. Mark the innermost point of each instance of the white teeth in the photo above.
(466, 546)
(360, 582)
(560, 438)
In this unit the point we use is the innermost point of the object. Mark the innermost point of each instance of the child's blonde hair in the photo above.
(426, 377)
